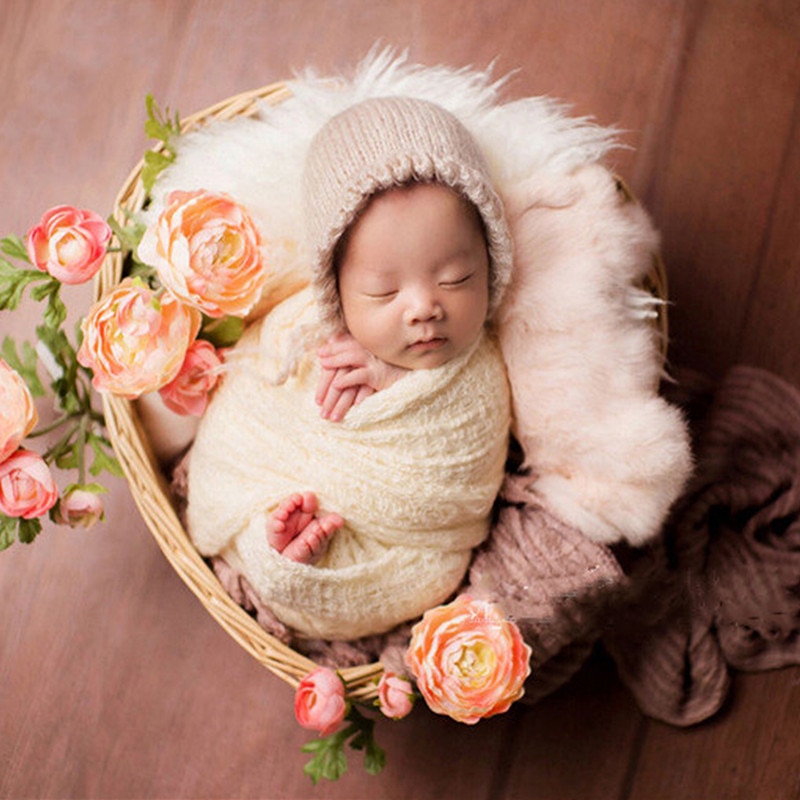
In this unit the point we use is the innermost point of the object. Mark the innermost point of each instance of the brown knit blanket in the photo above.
(728, 569)
(720, 589)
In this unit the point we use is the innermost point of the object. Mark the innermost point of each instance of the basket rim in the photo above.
(148, 484)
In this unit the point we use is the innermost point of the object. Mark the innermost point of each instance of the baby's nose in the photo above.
(422, 307)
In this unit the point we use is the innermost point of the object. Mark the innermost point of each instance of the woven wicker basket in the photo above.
(149, 486)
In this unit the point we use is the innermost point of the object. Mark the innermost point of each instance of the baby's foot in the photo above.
(289, 518)
(312, 541)
(294, 530)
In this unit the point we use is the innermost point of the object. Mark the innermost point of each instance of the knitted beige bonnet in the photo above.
(385, 142)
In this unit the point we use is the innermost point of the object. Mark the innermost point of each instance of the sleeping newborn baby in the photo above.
(350, 482)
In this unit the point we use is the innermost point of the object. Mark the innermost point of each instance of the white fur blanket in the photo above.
(414, 470)
(606, 453)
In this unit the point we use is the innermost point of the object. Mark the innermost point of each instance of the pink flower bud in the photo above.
(27, 488)
(79, 508)
(69, 243)
(395, 695)
(319, 703)
(188, 392)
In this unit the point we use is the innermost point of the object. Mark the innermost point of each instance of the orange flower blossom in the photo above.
(135, 341)
(205, 248)
(470, 662)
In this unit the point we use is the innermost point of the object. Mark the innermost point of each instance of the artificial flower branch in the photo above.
(144, 323)
(468, 661)
(320, 705)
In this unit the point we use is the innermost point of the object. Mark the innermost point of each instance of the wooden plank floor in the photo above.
(114, 683)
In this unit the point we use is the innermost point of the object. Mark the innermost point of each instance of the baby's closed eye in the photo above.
(384, 294)
(456, 280)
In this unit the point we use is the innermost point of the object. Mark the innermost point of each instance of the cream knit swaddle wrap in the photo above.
(413, 470)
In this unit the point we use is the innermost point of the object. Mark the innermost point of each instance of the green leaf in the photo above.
(56, 311)
(38, 293)
(64, 386)
(158, 159)
(374, 758)
(28, 530)
(154, 164)
(13, 282)
(25, 365)
(158, 125)
(66, 455)
(13, 246)
(364, 739)
(8, 531)
(223, 332)
(314, 746)
(329, 760)
(103, 457)
(129, 235)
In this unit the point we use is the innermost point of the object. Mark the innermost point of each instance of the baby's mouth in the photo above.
(424, 345)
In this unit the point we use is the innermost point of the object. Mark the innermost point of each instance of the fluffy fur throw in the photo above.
(414, 470)
(606, 454)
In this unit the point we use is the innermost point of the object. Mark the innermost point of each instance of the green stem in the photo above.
(82, 448)
(51, 427)
(54, 451)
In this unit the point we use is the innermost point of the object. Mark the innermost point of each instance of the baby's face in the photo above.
(414, 277)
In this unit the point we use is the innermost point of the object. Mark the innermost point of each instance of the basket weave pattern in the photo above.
(149, 487)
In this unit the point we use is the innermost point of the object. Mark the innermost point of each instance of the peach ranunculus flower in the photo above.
(470, 662)
(395, 695)
(207, 252)
(79, 508)
(319, 703)
(187, 393)
(69, 243)
(27, 488)
(135, 341)
(17, 411)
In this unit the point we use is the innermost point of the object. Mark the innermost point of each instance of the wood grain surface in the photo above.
(114, 683)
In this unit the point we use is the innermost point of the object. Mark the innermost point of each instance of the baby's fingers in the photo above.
(342, 353)
(326, 378)
(362, 394)
(336, 402)
(342, 405)
(348, 379)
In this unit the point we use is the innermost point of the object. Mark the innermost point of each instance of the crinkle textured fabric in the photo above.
(414, 470)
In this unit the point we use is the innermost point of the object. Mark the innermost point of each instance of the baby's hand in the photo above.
(349, 375)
